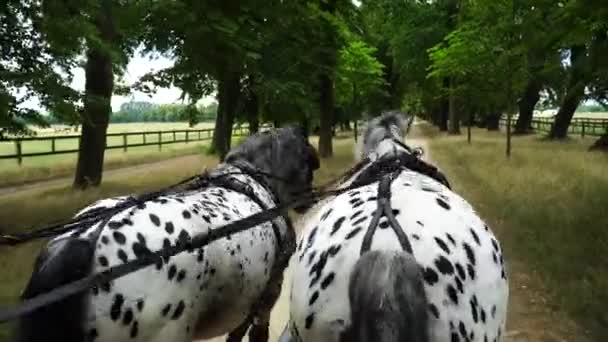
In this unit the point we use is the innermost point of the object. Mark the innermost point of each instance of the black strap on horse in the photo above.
(385, 209)
(388, 169)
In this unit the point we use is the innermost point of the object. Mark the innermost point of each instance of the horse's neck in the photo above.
(385, 148)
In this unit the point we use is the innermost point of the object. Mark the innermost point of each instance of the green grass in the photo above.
(19, 211)
(547, 204)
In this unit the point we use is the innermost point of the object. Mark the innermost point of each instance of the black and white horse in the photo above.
(398, 258)
(200, 293)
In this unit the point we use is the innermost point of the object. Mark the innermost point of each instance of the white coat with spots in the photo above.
(459, 264)
(199, 293)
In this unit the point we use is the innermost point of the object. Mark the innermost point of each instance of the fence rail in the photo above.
(114, 141)
(584, 126)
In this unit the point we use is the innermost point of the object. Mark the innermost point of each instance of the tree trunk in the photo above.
(454, 120)
(327, 96)
(527, 103)
(228, 95)
(253, 108)
(493, 121)
(444, 111)
(99, 85)
(573, 96)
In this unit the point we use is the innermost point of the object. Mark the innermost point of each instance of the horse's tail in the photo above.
(387, 299)
(62, 262)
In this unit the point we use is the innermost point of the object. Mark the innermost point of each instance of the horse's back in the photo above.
(460, 260)
(198, 293)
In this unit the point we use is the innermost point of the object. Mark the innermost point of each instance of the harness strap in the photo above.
(385, 209)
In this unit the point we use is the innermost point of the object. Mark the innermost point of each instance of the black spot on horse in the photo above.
(359, 220)
(134, 329)
(483, 315)
(169, 227)
(119, 237)
(358, 204)
(311, 256)
(326, 214)
(454, 337)
(475, 236)
(452, 294)
(181, 275)
(416, 237)
(206, 218)
(459, 285)
(352, 233)
(105, 240)
(337, 225)
(317, 269)
(430, 276)
(103, 261)
(183, 238)
(105, 287)
(373, 198)
(443, 203)
(172, 271)
(140, 304)
(313, 298)
(420, 223)
(384, 225)
(451, 238)
(166, 309)
(155, 220)
(140, 250)
(469, 252)
(122, 255)
(327, 280)
(442, 245)
(309, 320)
(474, 312)
(493, 312)
(179, 310)
(333, 250)
(471, 271)
(116, 307)
(128, 317)
(494, 244)
(460, 271)
(434, 310)
(462, 330)
(356, 214)
(186, 214)
(444, 265)
(115, 225)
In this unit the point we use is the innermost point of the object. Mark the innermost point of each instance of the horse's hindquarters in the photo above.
(460, 259)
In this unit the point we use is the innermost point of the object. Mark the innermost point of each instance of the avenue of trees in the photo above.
(320, 63)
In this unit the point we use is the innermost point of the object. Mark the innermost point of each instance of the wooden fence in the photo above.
(583, 126)
(113, 141)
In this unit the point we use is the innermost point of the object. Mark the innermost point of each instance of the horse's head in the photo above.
(381, 132)
(286, 155)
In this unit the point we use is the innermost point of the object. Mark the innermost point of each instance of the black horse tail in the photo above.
(387, 299)
(62, 262)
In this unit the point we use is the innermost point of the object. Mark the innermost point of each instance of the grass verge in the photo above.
(548, 205)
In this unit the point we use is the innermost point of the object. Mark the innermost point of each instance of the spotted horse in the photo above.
(200, 293)
(400, 257)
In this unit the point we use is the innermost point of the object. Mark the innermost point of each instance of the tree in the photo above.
(359, 78)
(28, 68)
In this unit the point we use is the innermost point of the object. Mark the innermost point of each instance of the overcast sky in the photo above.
(137, 67)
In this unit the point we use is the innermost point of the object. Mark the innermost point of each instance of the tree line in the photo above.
(139, 111)
(321, 63)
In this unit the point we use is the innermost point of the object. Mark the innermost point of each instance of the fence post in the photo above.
(187, 134)
(124, 142)
(144, 136)
(583, 129)
(199, 135)
(174, 139)
(18, 148)
(53, 144)
(160, 141)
